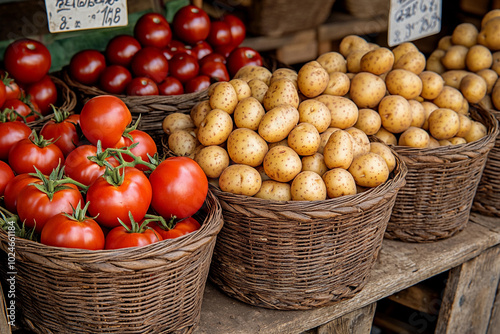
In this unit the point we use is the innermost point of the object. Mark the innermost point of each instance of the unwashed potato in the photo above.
(444, 142)
(495, 95)
(224, 97)
(177, 121)
(496, 62)
(465, 107)
(387, 137)
(413, 61)
(285, 73)
(353, 60)
(385, 152)
(338, 151)
(453, 78)
(403, 49)
(242, 88)
(478, 58)
(280, 92)
(316, 113)
(304, 139)
(282, 164)
(352, 42)
(404, 83)
(489, 36)
(369, 170)
(339, 182)
(248, 113)
(432, 84)
(414, 137)
(240, 180)
(215, 128)
(250, 72)
(377, 61)
(473, 87)
(259, 89)
(182, 142)
(433, 142)
(333, 62)
(478, 130)
(368, 121)
(245, 146)
(418, 115)
(308, 186)
(360, 141)
(325, 135)
(213, 160)
(429, 107)
(444, 43)
(283, 142)
(465, 34)
(489, 15)
(338, 84)
(450, 98)
(434, 61)
(454, 58)
(457, 141)
(444, 123)
(490, 77)
(274, 191)
(314, 163)
(395, 113)
(277, 123)
(199, 112)
(367, 90)
(312, 79)
(344, 112)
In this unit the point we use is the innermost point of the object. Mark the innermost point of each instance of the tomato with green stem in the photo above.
(145, 147)
(14, 187)
(44, 94)
(173, 228)
(10, 134)
(63, 129)
(136, 235)
(22, 111)
(6, 174)
(12, 89)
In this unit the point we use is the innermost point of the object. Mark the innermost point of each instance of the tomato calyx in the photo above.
(162, 222)
(26, 98)
(60, 115)
(79, 214)
(55, 182)
(100, 157)
(10, 222)
(39, 140)
(10, 115)
(135, 227)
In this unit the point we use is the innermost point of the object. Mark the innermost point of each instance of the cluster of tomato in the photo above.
(161, 59)
(111, 171)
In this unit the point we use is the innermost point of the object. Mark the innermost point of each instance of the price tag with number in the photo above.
(69, 15)
(413, 19)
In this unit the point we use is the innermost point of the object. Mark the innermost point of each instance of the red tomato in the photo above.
(86, 66)
(142, 86)
(11, 133)
(114, 79)
(191, 24)
(173, 48)
(12, 89)
(150, 62)
(84, 164)
(198, 84)
(242, 56)
(6, 174)
(181, 228)
(62, 129)
(104, 118)
(121, 49)
(3, 93)
(215, 70)
(183, 67)
(146, 146)
(27, 60)
(68, 231)
(212, 57)
(35, 206)
(179, 187)
(171, 86)
(21, 108)
(14, 187)
(237, 27)
(44, 93)
(152, 29)
(113, 201)
(220, 34)
(201, 49)
(225, 50)
(122, 237)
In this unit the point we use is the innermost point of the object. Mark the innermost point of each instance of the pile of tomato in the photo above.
(93, 181)
(163, 59)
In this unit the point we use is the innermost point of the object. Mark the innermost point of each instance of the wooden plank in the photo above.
(469, 295)
(264, 43)
(359, 321)
(341, 25)
(400, 265)
(419, 297)
(494, 324)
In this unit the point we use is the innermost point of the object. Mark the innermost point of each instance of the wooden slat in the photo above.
(419, 297)
(494, 324)
(358, 321)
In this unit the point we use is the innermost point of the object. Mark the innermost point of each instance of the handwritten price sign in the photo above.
(69, 15)
(413, 19)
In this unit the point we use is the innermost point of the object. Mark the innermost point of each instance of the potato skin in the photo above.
(245, 146)
(338, 151)
(312, 79)
(282, 163)
(367, 90)
(368, 121)
(308, 186)
(395, 113)
(274, 191)
(277, 123)
(315, 112)
(215, 128)
(369, 170)
(377, 61)
(240, 179)
(248, 113)
(404, 83)
(343, 112)
(224, 97)
(444, 123)
(213, 160)
(339, 182)
(280, 92)
(304, 139)
(314, 163)
(177, 121)
(385, 152)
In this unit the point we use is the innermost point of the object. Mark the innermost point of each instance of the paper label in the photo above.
(413, 19)
(70, 15)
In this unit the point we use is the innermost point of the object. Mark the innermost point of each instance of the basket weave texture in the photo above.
(153, 289)
(487, 200)
(367, 8)
(440, 186)
(300, 255)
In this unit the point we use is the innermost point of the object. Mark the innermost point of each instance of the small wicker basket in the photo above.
(152, 289)
(300, 255)
(440, 186)
(487, 200)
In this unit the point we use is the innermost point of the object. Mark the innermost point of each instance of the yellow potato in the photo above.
(478, 58)
(182, 142)
(199, 112)
(367, 90)
(444, 123)
(429, 107)
(248, 113)
(224, 97)
(454, 59)
(308, 186)
(242, 88)
(338, 151)
(353, 60)
(177, 121)
(496, 62)
(473, 88)
(477, 131)
(259, 89)
(377, 61)
(450, 98)
(433, 142)
(215, 128)
(385, 152)
(274, 191)
(444, 142)
(245, 146)
(250, 72)
(314, 163)
(465, 34)
(369, 170)
(444, 43)
(282, 164)
(262, 173)
(280, 92)
(404, 83)
(495, 95)
(403, 49)
(315, 112)
(432, 84)
(387, 137)
(283, 142)
(338, 84)
(213, 160)
(395, 113)
(457, 141)
(277, 123)
(368, 121)
(352, 42)
(240, 180)
(304, 139)
(339, 182)
(414, 137)
(333, 62)
(489, 36)
(325, 135)
(285, 73)
(490, 77)
(489, 15)
(413, 61)
(465, 107)
(434, 61)
(453, 78)
(344, 113)
(360, 141)
(418, 115)
(312, 79)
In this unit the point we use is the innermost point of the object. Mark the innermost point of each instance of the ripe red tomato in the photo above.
(197, 84)
(146, 146)
(242, 56)
(191, 24)
(84, 164)
(152, 29)
(171, 86)
(122, 237)
(181, 228)
(86, 66)
(11, 133)
(217, 71)
(35, 207)
(142, 86)
(121, 49)
(6, 174)
(14, 187)
(44, 93)
(12, 89)
(113, 201)
(225, 50)
(150, 62)
(212, 57)
(238, 29)
(183, 67)
(3, 93)
(27, 60)
(220, 34)
(179, 187)
(201, 49)
(104, 118)
(62, 129)
(21, 108)
(64, 230)
(114, 79)
(173, 48)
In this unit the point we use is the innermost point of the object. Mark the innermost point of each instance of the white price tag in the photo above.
(69, 15)
(413, 19)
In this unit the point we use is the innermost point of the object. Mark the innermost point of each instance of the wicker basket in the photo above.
(367, 8)
(153, 289)
(440, 187)
(300, 255)
(487, 200)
